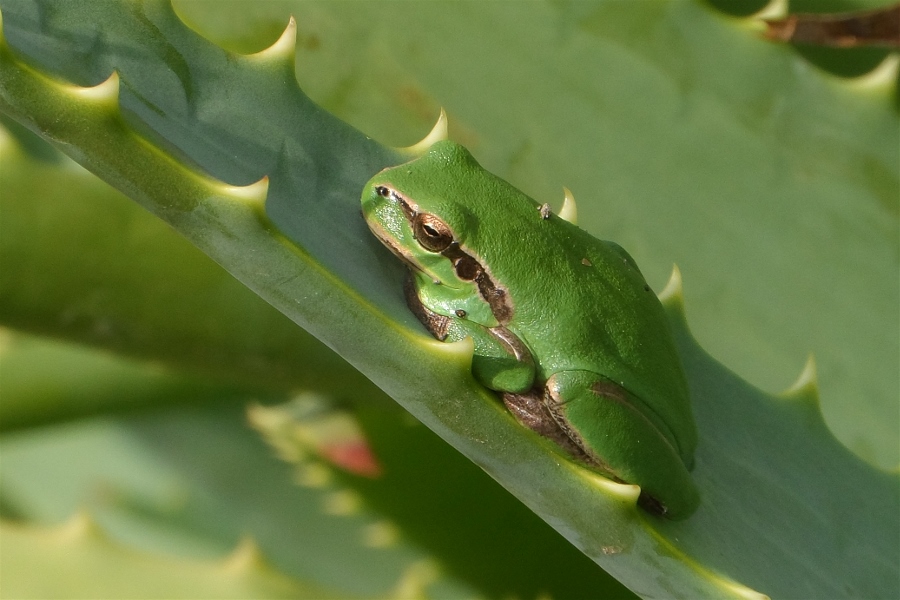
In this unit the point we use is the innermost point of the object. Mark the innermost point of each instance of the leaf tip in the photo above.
(672, 296)
(758, 23)
(105, 93)
(742, 591)
(80, 526)
(627, 493)
(672, 299)
(284, 48)
(245, 557)
(342, 503)
(806, 386)
(381, 534)
(775, 9)
(313, 475)
(254, 194)
(438, 132)
(460, 351)
(569, 211)
(415, 580)
(881, 78)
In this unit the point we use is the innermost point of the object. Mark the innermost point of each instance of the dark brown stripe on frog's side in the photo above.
(469, 269)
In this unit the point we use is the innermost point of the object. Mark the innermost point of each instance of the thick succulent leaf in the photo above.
(768, 210)
(188, 481)
(82, 384)
(595, 515)
(444, 503)
(762, 452)
(191, 481)
(115, 276)
(65, 562)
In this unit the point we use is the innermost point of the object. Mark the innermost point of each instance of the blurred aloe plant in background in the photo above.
(201, 431)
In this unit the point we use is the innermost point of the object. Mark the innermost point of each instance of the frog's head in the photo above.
(415, 210)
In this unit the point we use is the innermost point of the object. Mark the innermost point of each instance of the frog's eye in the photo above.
(382, 191)
(431, 233)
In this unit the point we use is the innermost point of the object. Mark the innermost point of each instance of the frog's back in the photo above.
(589, 308)
(578, 303)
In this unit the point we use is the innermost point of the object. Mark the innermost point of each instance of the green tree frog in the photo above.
(564, 325)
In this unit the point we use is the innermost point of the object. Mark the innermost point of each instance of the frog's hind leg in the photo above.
(530, 410)
(609, 424)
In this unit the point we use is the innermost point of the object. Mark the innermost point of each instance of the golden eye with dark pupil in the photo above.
(382, 191)
(431, 233)
(467, 268)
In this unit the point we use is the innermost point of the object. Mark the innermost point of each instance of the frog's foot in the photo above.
(530, 410)
(607, 422)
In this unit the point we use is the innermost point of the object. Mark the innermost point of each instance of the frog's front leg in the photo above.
(614, 429)
(501, 361)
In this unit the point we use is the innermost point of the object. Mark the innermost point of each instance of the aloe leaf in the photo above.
(776, 172)
(114, 276)
(565, 496)
(442, 502)
(190, 481)
(77, 551)
(185, 482)
(83, 385)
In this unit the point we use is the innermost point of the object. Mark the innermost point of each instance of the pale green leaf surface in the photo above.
(446, 504)
(199, 504)
(113, 275)
(187, 482)
(740, 289)
(563, 496)
(83, 385)
(78, 552)
(191, 481)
